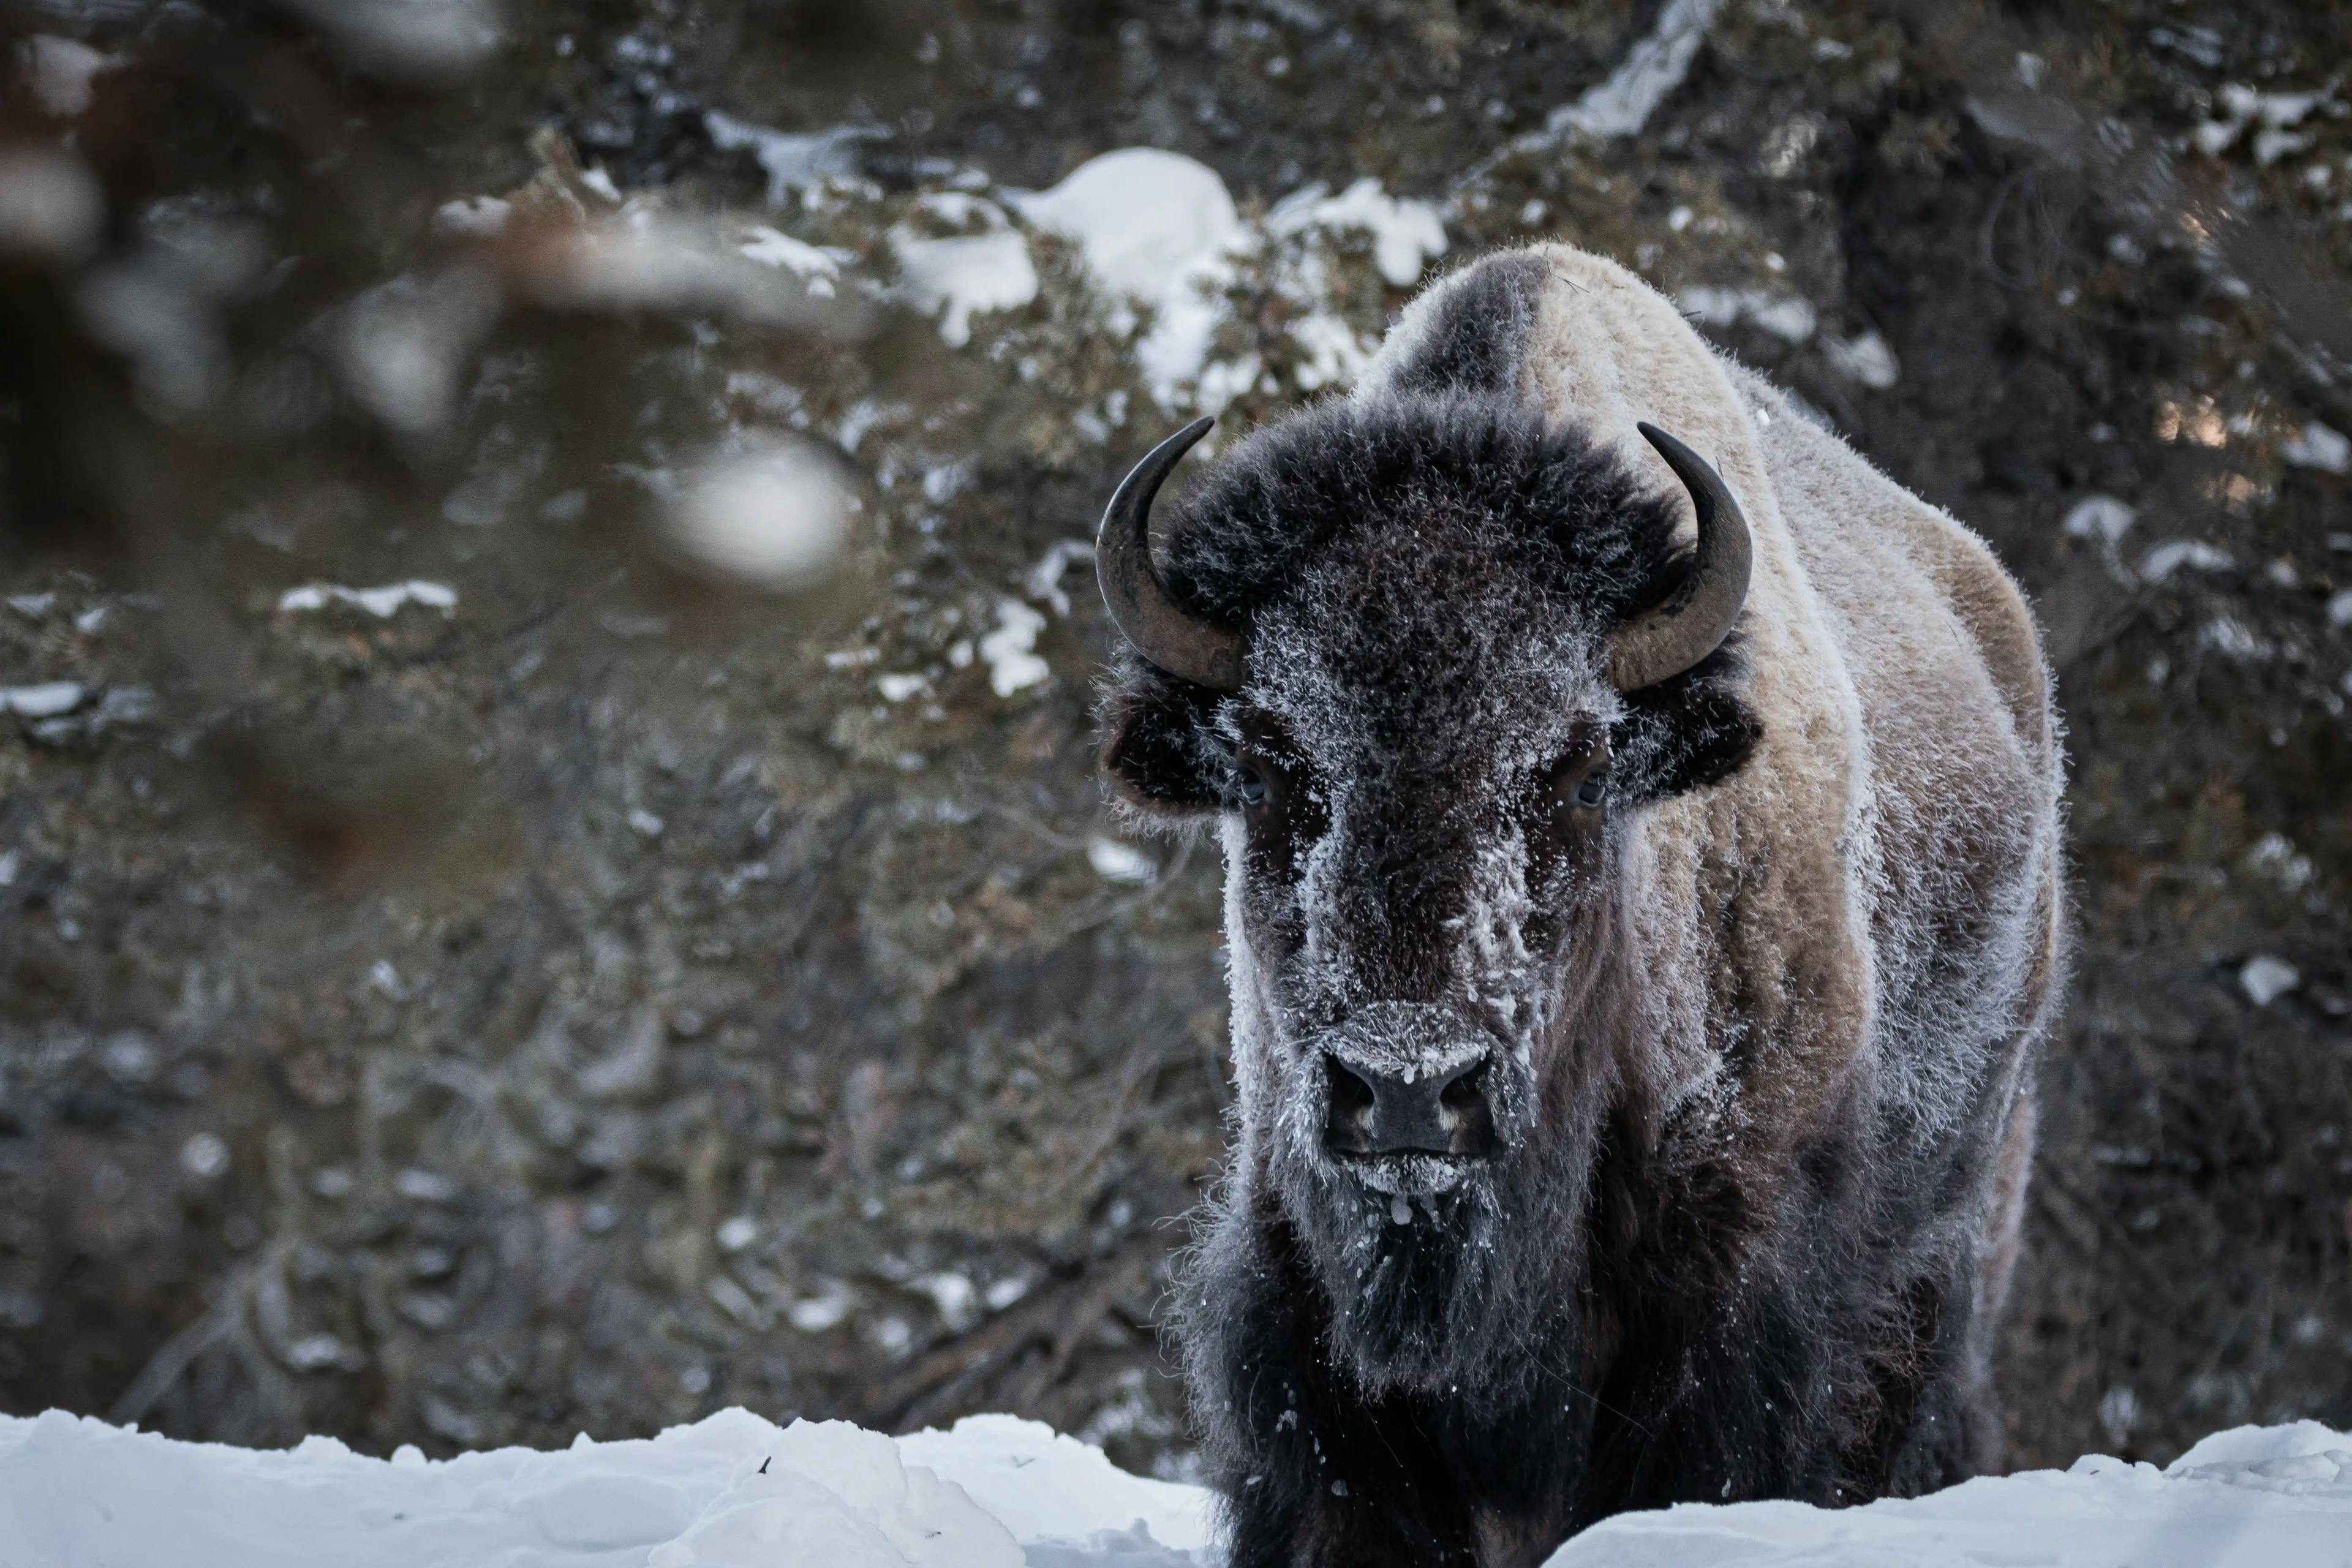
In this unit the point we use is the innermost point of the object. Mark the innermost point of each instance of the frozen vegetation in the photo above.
(734, 1491)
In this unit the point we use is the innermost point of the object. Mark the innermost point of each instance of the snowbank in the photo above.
(2256, 1497)
(733, 1491)
(737, 1491)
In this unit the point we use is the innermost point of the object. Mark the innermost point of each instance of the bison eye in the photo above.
(1249, 787)
(1577, 785)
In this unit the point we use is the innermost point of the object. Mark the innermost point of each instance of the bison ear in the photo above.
(1692, 730)
(1156, 750)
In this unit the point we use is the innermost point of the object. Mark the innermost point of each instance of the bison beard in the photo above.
(1458, 1296)
(1758, 1013)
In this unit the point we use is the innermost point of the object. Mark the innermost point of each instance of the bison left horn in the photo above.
(1691, 622)
(1203, 652)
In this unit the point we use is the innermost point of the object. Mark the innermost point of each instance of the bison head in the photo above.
(1423, 661)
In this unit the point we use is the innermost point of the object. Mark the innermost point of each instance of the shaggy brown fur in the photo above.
(1757, 1012)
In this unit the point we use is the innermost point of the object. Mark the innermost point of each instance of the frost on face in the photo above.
(1423, 727)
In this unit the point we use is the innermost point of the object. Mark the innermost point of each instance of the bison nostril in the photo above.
(1351, 1097)
(1465, 1092)
(1351, 1107)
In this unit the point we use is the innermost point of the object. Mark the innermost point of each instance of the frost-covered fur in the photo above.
(1761, 1028)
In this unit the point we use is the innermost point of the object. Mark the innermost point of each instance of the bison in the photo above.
(1640, 949)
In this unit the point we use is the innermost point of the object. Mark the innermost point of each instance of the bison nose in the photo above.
(1444, 1112)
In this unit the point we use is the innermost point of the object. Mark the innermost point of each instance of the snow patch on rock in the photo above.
(2166, 558)
(1013, 666)
(1159, 231)
(2266, 977)
(792, 160)
(45, 700)
(1406, 233)
(818, 266)
(382, 603)
(1786, 316)
(58, 73)
(1651, 69)
(1867, 359)
(2101, 518)
(1143, 218)
(2317, 447)
(959, 277)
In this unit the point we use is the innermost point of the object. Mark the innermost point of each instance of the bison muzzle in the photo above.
(1644, 902)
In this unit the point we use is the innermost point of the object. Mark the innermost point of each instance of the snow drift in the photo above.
(2256, 1497)
(734, 1491)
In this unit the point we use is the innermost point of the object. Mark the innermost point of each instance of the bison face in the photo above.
(1424, 664)
(1421, 843)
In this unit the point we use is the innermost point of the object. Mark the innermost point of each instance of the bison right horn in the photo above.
(1691, 622)
(1203, 652)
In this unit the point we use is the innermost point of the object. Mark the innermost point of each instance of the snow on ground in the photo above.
(2278, 1496)
(734, 1491)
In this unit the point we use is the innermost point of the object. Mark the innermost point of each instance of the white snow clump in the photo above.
(1867, 359)
(1116, 862)
(1159, 229)
(59, 72)
(792, 160)
(774, 515)
(1787, 315)
(1007, 650)
(1653, 69)
(957, 278)
(382, 603)
(1406, 233)
(2266, 977)
(2174, 554)
(2317, 447)
(45, 700)
(2101, 518)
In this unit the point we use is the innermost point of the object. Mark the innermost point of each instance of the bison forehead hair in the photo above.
(1429, 581)
(1472, 476)
(1407, 554)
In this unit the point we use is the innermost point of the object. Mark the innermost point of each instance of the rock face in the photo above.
(550, 870)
